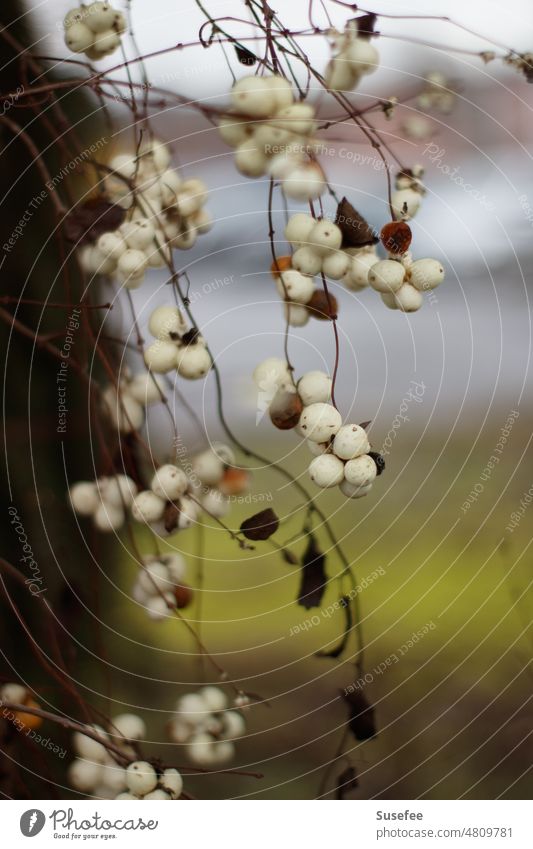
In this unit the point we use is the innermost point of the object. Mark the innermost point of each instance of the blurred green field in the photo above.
(454, 711)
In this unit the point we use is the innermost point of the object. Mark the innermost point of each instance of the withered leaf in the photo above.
(90, 219)
(366, 25)
(313, 577)
(346, 782)
(260, 526)
(191, 336)
(245, 57)
(361, 716)
(170, 517)
(364, 425)
(348, 622)
(356, 232)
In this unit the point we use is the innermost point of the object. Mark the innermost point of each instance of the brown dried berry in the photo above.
(183, 594)
(396, 237)
(323, 306)
(285, 409)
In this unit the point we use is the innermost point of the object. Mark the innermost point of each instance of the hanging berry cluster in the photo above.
(94, 30)
(204, 723)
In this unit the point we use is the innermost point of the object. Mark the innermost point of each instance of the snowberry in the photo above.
(83, 774)
(387, 275)
(282, 164)
(147, 507)
(208, 467)
(363, 56)
(215, 504)
(253, 96)
(105, 42)
(317, 448)
(325, 236)
(296, 314)
(214, 698)
(172, 782)
(120, 23)
(201, 749)
(268, 137)
(307, 261)
(298, 228)
(157, 796)
(167, 323)
(192, 707)
(138, 233)
(130, 726)
(203, 221)
(79, 37)
(171, 183)
(326, 470)
(111, 245)
(119, 490)
(351, 491)
(157, 153)
(336, 264)
(361, 261)
(389, 299)
(295, 286)
(426, 274)
(158, 608)
(408, 299)
(99, 16)
(132, 264)
(13, 693)
(124, 411)
(130, 797)
(314, 387)
(340, 74)
(360, 471)
(305, 182)
(299, 118)
(234, 131)
(350, 441)
(84, 498)
(175, 565)
(146, 388)
(141, 778)
(193, 361)
(161, 357)
(89, 748)
(319, 422)
(113, 779)
(271, 372)
(405, 203)
(189, 513)
(250, 159)
(169, 482)
(282, 91)
(154, 577)
(108, 518)
(233, 725)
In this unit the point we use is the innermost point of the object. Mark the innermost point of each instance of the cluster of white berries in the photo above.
(210, 479)
(274, 136)
(205, 725)
(164, 212)
(408, 194)
(143, 782)
(177, 348)
(94, 29)
(104, 500)
(354, 58)
(158, 584)
(401, 282)
(95, 771)
(125, 405)
(342, 452)
(437, 94)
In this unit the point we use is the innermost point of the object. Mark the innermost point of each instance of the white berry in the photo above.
(169, 482)
(314, 387)
(141, 778)
(350, 441)
(408, 299)
(360, 471)
(326, 470)
(387, 275)
(426, 274)
(147, 507)
(319, 422)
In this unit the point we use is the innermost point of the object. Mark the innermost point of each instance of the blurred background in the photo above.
(454, 713)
